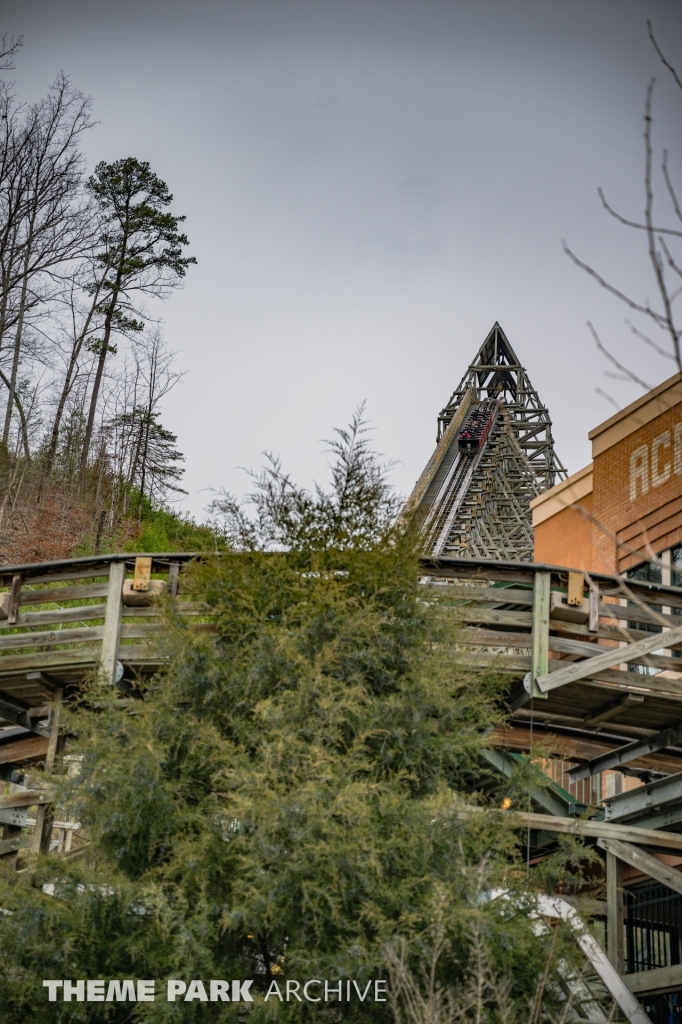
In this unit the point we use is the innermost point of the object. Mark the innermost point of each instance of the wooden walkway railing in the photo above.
(61, 620)
(582, 646)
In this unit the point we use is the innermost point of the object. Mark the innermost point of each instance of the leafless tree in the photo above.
(9, 47)
(661, 240)
(45, 224)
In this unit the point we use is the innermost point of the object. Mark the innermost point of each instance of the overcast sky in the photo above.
(368, 186)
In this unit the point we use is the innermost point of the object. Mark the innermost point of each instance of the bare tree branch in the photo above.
(632, 223)
(8, 50)
(607, 396)
(647, 310)
(629, 374)
(649, 341)
(658, 50)
(648, 216)
(671, 190)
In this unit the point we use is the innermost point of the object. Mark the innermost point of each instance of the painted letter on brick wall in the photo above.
(639, 470)
(677, 449)
(659, 474)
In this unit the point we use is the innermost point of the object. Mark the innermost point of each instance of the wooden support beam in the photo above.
(16, 711)
(28, 747)
(613, 709)
(576, 585)
(613, 656)
(661, 979)
(142, 574)
(112, 623)
(45, 813)
(540, 649)
(615, 912)
(593, 619)
(13, 844)
(627, 753)
(14, 598)
(26, 798)
(654, 838)
(642, 861)
(173, 574)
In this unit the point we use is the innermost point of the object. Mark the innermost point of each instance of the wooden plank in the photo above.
(488, 595)
(642, 861)
(615, 911)
(56, 636)
(112, 623)
(45, 813)
(593, 617)
(580, 827)
(613, 709)
(515, 664)
(614, 656)
(142, 574)
(49, 618)
(14, 597)
(576, 585)
(49, 660)
(584, 649)
(26, 748)
(173, 579)
(26, 798)
(85, 613)
(662, 979)
(540, 649)
(446, 567)
(57, 594)
(493, 617)
(64, 577)
(494, 638)
(12, 845)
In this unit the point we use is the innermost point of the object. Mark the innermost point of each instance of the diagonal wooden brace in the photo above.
(643, 861)
(613, 656)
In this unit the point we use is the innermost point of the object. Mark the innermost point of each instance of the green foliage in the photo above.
(141, 246)
(282, 802)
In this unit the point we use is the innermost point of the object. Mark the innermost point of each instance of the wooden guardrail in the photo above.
(62, 619)
(562, 626)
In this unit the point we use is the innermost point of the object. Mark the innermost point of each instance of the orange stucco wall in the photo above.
(566, 538)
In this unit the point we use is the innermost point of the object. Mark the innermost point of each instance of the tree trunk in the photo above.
(51, 453)
(96, 386)
(17, 345)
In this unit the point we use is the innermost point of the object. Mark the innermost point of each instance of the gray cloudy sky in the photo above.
(368, 186)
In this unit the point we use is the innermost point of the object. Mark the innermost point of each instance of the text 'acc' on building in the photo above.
(622, 513)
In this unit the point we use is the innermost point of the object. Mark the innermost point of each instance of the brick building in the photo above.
(626, 506)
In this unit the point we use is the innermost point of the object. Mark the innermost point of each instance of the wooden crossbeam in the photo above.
(614, 656)
(582, 827)
(613, 709)
(644, 862)
(26, 798)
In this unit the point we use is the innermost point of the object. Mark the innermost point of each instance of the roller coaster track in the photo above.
(479, 507)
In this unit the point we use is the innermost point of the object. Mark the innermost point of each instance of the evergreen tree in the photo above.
(140, 253)
(281, 803)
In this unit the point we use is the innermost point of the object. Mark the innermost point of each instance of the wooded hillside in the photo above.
(85, 461)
